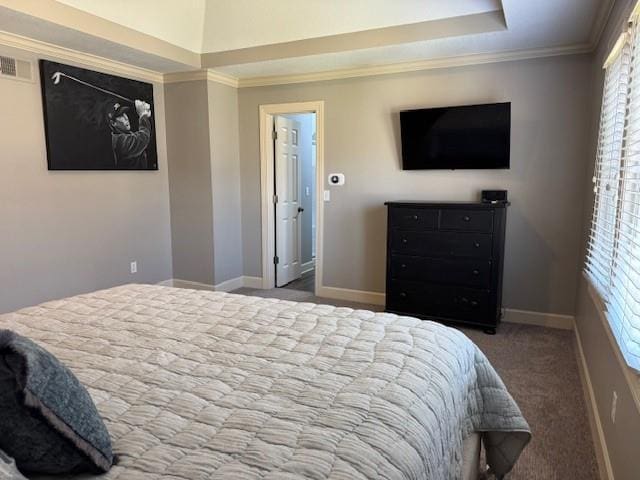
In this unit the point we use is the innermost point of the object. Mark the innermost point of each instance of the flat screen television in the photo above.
(467, 137)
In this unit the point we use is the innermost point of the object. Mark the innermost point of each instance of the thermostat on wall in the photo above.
(336, 179)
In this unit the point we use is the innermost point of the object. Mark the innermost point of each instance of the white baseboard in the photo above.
(308, 266)
(512, 315)
(226, 286)
(551, 320)
(178, 283)
(349, 295)
(595, 422)
(229, 285)
(252, 282)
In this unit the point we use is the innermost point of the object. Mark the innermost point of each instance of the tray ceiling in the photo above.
(253, 38)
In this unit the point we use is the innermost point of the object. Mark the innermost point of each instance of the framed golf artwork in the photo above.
(95, 121)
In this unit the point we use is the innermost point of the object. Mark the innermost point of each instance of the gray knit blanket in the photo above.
(209, 385)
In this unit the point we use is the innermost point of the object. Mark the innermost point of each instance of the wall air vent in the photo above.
(12, 68)
(8, 66)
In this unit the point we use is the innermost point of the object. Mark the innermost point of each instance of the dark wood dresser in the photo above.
(445, 261)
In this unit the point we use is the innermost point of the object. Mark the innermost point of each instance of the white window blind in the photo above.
(606, 178)
(613, 258)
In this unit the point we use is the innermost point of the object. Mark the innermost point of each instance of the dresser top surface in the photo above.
(431, 204)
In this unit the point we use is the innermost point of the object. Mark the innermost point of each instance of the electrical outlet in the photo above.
(134, 267)
(614, 406)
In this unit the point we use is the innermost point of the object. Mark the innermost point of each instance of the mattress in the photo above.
(210, 385)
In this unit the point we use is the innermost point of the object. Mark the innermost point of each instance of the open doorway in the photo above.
(291, 164)
(294, 146)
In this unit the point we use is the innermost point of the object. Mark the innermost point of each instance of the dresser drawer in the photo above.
(442, 244)
(439, 301)
(472, 273)
(415, 298)
(414, 218)
(466, 304)
(467, 220)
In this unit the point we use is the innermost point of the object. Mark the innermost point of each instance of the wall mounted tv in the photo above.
(467, 137)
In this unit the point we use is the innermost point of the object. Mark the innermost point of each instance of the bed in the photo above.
(210, 385)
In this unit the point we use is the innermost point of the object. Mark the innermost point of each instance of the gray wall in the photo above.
(550, 109)
(225, 180)
(204, 173)
(190, 181)
(308, 180)
(606, 368)
(607, 375)
(65, 233)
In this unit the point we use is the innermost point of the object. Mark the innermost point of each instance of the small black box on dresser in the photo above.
(445, 261)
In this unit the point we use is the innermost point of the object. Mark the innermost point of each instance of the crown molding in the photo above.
(460, 61)
(218, 77)
(198, 75)
(56, 52)
(112, 66)
(190, 76)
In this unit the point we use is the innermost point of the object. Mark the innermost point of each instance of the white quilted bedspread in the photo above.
(208, 385)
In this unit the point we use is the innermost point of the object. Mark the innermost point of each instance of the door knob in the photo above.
(466, 218)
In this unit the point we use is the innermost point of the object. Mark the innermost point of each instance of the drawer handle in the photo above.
(476, 244)
(476, 272)
(403, 294)
(404, 240)
(465, 300)
(474, 303)
(403, 265)
(466, 218)
(415, 217)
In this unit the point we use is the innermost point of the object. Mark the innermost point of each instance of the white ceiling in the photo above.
(180, 22)
(234, 36)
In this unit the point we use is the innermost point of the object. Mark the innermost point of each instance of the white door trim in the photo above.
(267, 113)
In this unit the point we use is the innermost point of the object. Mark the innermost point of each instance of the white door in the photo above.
(288, 211)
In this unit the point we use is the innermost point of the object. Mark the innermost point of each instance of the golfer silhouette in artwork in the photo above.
(129, 147)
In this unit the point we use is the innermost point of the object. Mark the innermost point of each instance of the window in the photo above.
(613, 256)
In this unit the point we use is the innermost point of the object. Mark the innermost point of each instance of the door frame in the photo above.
(267, 173)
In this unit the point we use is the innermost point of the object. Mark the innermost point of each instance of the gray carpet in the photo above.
(306, 282)
(539, 367)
